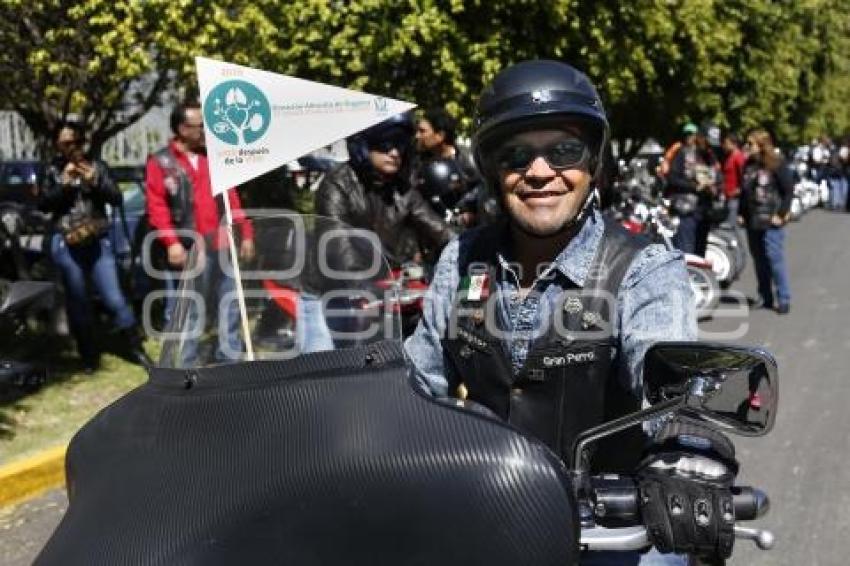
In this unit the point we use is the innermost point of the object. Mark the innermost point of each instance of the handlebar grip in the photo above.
(749, 503)
(615, 498)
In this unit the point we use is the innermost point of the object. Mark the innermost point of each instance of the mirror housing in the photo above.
(732, 387)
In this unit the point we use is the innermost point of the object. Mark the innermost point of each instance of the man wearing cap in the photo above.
(544, 318)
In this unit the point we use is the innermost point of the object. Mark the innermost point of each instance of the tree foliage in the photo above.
(106, 62)
(781, 63)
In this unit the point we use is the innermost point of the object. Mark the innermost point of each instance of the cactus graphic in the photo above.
(243, 114)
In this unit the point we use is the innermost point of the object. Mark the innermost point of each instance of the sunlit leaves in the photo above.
(656, 62)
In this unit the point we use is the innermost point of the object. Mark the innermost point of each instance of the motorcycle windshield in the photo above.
(310, 284)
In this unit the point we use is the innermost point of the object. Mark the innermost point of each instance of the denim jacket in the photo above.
(655, 302)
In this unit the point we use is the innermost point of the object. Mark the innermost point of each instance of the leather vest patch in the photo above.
(569, 359)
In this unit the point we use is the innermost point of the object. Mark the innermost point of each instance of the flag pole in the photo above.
(240, 293)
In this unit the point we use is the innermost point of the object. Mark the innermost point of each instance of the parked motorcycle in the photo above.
(727, 255)
(807, 193)
(25, 304)
(652, 218)
(330, 454)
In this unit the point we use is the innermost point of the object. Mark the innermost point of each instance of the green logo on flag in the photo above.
(237, 112)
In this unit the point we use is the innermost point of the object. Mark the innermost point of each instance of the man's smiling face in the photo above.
(545, 196)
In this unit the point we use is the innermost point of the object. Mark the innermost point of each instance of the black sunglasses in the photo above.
(570, 153)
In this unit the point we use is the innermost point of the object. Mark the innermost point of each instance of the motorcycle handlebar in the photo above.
(616, 499)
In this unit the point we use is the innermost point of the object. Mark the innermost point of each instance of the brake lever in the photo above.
(636, 538)
(762, 538)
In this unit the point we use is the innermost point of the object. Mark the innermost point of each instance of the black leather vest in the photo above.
(762, 193)
(178, 189)
(570, 380)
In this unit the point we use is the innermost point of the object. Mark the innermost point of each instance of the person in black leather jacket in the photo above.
(76, 191)
(767, 190)
(373, 192)
(692, 184)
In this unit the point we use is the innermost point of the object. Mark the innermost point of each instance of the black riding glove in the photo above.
(685, 495)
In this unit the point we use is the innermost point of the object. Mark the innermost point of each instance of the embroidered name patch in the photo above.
(569, 359)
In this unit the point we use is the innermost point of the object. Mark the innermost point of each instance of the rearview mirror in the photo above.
(733, 387)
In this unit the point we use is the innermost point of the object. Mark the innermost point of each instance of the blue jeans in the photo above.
(311, 328)
(98, 261)
(217, 289)
(692, 234)
(768, 250)
(733, 204)
(838, 193)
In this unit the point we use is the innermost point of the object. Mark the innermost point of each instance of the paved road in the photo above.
(801, 464)
(24, 529)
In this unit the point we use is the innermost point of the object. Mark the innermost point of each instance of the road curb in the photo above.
(32, 476)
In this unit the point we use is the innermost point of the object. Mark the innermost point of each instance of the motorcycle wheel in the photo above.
(706, 290)
(722, 264)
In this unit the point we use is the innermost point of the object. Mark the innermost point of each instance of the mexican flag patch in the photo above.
(475, 287)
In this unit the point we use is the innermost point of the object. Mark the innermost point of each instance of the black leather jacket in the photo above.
(58, 198)
(683, 171)
(390, 210)
(765, 193)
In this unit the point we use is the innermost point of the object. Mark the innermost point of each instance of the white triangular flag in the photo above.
(256, 121)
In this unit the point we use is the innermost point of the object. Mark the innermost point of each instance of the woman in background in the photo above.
(767, 190)
(76, 191)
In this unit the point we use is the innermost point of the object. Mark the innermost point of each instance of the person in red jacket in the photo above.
(180, 203)
(733, 168)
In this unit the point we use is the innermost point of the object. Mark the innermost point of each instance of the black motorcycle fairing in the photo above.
(328, 458)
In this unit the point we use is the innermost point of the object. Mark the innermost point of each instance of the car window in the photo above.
(20, 173)
(134, 197)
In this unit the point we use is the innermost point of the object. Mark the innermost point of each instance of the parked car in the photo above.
(128, 176)
(20, 181)
(127, 238)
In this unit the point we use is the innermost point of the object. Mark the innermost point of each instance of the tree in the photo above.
(657, 63)
(443, 52)
(106, 62)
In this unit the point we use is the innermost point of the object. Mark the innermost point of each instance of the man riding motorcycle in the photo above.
(544, 318)
(373, 191)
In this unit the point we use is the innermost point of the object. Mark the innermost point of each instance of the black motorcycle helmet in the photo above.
(440, 177)
(532, 95)
(441, 182)
(398, 129)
